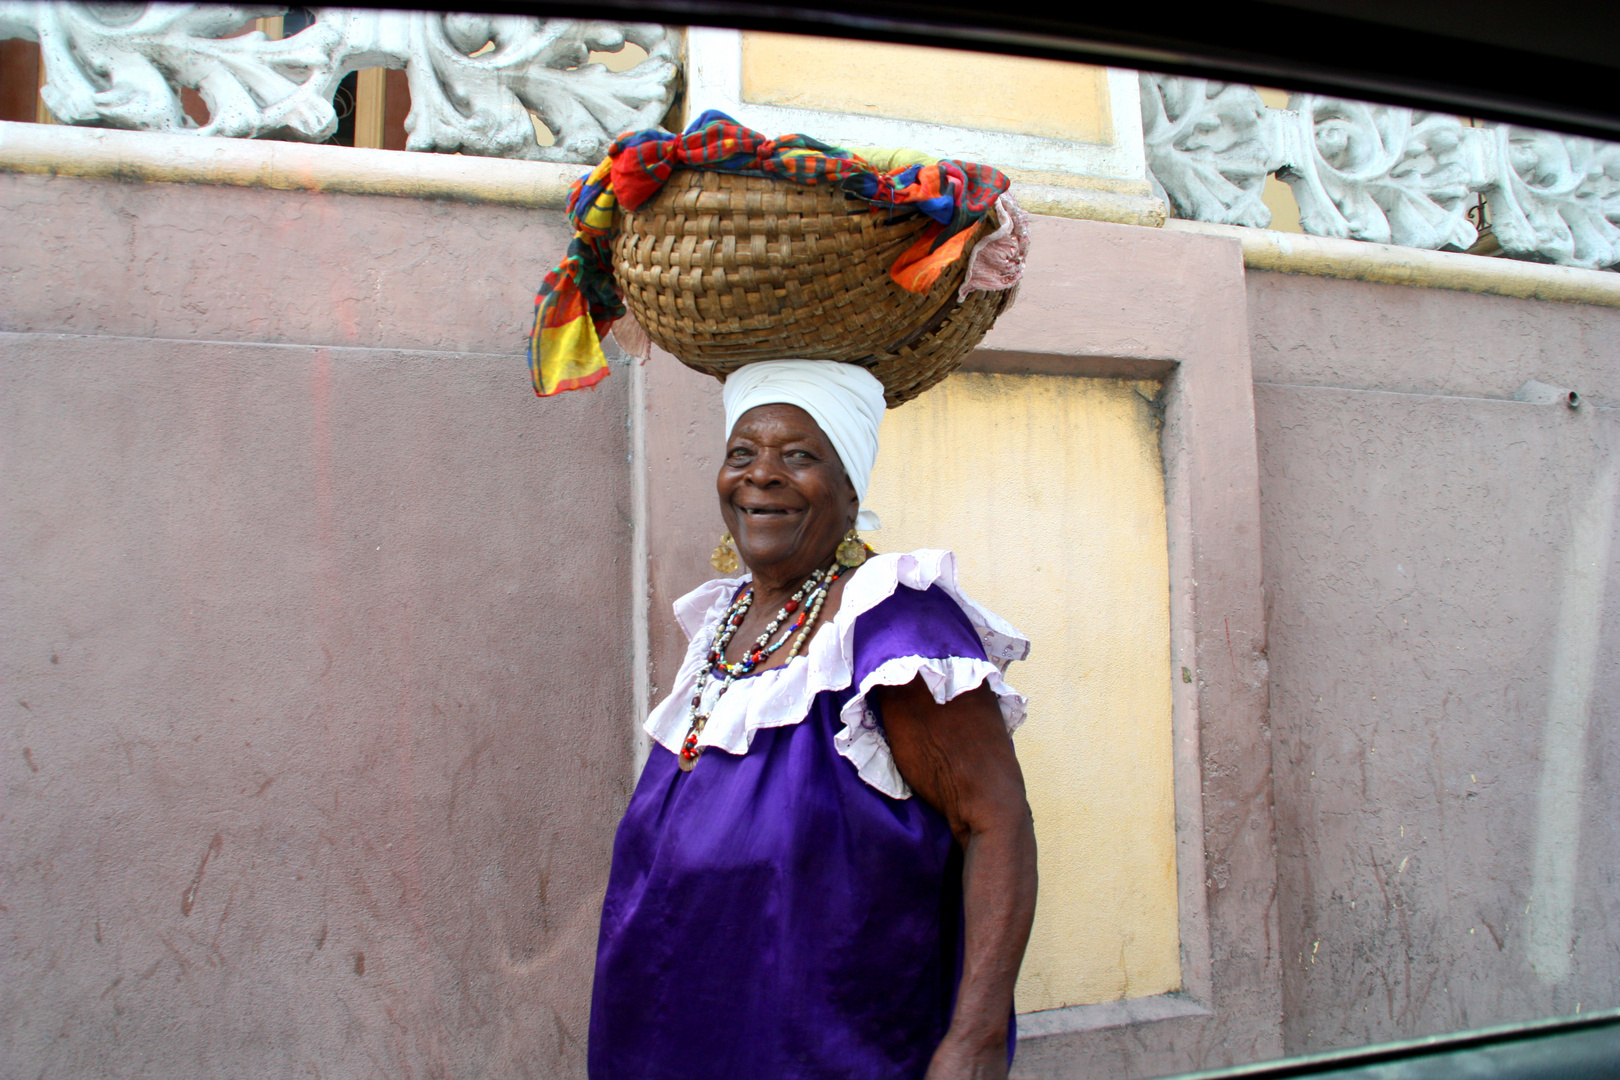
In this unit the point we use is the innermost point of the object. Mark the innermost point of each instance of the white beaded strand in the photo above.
(808, 600)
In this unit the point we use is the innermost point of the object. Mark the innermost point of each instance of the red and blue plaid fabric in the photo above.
(579, 300)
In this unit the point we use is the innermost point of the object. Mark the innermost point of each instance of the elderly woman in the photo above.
(827, 869)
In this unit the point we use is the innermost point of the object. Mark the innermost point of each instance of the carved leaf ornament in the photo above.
(1382, 173)
(1558, 199)
(474, 79)
(1205, 150)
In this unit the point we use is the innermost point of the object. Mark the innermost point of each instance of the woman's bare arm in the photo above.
(959, 759)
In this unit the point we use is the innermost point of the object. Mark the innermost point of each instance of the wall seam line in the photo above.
(1585, 404)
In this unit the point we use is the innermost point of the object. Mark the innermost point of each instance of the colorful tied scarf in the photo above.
(579, 300)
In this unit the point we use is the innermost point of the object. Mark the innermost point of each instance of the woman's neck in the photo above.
(771, 594)
(774, 585)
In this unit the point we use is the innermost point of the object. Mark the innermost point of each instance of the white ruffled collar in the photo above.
(782, 696)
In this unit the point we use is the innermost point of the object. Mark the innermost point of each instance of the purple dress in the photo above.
(774, 914)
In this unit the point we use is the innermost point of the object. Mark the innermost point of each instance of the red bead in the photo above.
(792, 606)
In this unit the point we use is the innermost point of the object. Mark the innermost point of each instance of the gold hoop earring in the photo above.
(852, 550)
(724, 558)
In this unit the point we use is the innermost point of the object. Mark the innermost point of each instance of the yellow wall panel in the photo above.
(1051, 492)
(1050, 98)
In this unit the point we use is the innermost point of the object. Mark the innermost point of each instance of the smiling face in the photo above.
(783, 492)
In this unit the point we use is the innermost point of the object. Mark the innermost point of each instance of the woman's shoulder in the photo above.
(922, 586)
(906, 584)
(705, 605)
(909, 602)
(906, 617)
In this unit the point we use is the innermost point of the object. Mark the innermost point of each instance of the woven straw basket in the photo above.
(722, 270)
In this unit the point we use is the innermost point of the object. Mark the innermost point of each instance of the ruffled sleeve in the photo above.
(914, 633)
(902, 615)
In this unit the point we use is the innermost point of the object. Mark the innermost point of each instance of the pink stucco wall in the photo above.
(1419, 528)
(318, 637)
(315, 718)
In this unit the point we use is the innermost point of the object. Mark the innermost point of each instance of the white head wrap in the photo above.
(845, 401)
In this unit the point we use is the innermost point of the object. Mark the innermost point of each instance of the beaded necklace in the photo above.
(805, 603)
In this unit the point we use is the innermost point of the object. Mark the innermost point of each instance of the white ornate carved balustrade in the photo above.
(474, 79)
(1358, 171)
(1381, 173)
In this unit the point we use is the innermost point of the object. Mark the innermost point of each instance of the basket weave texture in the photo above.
(723, 269)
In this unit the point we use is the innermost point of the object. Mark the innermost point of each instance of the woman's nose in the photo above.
(764, 470)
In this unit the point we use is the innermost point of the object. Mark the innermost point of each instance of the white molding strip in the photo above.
(1125, 1012)
(1089, 204)
(61, 150)
(57, 149)
(1361, 260)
